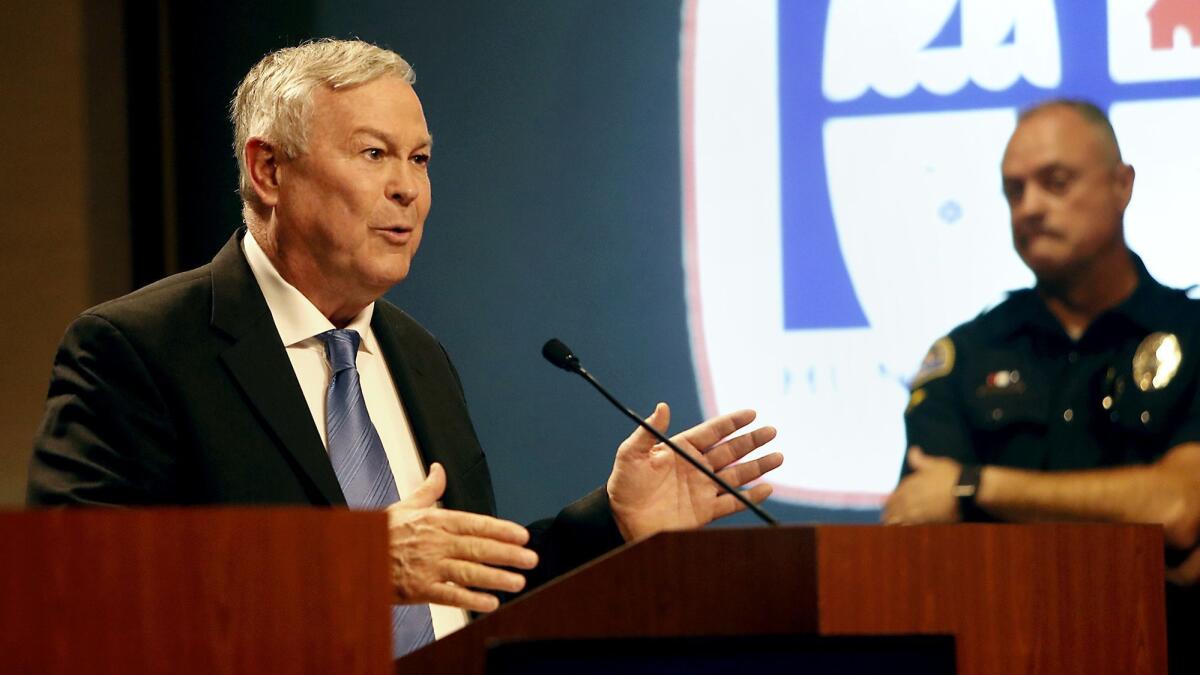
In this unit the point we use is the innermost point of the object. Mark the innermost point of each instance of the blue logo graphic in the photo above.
(896, 60)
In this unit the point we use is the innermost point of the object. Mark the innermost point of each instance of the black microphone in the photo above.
(561, 355)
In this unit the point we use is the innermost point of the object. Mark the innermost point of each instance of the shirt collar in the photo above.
(1026, 310)
(1145, 307)
(296, 318)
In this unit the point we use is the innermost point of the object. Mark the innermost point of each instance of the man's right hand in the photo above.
(439, 555)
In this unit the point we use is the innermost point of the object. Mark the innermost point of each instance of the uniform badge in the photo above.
(1156, 361)
(937, 363)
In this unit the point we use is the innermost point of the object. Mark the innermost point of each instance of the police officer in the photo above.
(1075, 399)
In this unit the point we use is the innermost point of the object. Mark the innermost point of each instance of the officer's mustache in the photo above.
(1026, 230)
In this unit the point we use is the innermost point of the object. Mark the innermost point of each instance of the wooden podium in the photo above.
(194, 591)
(307, 591)
(1018, 599)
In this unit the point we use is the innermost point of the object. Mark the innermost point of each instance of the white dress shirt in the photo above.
(299, 322)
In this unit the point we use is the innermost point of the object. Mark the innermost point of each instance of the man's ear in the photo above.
(1124, 183)
(263, 169)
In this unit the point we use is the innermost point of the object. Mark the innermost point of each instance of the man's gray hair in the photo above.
(273, 101)
(1089, 111)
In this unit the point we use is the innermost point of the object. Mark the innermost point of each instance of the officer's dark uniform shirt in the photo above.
(1011, 388)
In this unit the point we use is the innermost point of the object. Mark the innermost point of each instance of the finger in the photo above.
(727, 452)
(430, 490)
(642, 440)
(475, 575)
(491, 552)
(740, 474)
(457, 596)
(917, 459)
(661, 417)
(476, 525)
(890, 515)
(710, 432)
(727, 503)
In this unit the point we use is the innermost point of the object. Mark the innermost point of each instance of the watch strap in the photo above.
(966, 490)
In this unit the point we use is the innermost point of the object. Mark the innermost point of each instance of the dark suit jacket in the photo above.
(182, 393)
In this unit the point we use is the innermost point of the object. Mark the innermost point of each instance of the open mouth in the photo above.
(395, 229)
(398, 234)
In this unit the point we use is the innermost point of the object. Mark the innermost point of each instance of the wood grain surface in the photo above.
(1053, 598)
(718, 582)
(1047, 598)
(194, 591)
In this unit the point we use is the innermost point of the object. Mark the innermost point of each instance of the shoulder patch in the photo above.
(917, 398)
(939, 362)
(1193, 292)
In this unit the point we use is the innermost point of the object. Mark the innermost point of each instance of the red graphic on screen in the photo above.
(1167, 15)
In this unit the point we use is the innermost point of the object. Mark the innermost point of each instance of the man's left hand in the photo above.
(927, 494)
(651, 489)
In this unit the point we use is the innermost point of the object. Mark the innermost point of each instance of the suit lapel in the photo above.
(261, 367)
(433, 404)
(408, 377)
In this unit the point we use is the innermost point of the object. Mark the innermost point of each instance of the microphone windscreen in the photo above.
(560, 355)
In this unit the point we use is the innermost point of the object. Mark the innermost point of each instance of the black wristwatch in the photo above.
(966, 490)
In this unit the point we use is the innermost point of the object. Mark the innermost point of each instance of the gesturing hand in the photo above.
(651, 489)
(439, 555)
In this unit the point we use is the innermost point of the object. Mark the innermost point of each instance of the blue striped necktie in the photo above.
(362, 468)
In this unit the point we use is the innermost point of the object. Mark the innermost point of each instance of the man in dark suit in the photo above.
(275, 375)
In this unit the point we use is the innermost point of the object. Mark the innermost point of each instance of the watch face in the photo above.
(858, 216)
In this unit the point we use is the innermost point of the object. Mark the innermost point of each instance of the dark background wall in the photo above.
(64, 235)
(556, 210)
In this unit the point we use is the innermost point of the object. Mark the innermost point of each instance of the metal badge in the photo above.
(1156, 361)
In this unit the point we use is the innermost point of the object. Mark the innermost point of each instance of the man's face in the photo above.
(1066, 191)
(352, 207)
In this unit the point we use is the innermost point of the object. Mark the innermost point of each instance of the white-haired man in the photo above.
(275, 374)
